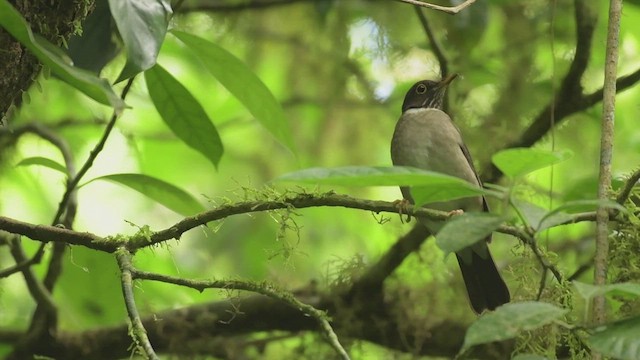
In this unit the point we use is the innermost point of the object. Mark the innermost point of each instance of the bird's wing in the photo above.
(467, 155)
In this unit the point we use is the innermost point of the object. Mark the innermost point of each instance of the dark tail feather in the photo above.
(484, 284)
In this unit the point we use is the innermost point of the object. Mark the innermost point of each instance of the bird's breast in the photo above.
(426, 139)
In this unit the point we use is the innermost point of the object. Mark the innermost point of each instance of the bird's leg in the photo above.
(402, 205)
(455, 212)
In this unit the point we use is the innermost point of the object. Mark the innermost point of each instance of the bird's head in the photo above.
(427, 94)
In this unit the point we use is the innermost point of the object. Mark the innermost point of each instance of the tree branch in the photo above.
(73, 183)
(631, 182)
(47, 233)
(435, 45)
(192, 330)
(37, 290)
(606, 153)
(261, 288)
(569, 98)
(138, 331)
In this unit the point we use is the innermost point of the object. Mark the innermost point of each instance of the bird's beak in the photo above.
(448, 79)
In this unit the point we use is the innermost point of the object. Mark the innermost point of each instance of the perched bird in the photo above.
(426, 138)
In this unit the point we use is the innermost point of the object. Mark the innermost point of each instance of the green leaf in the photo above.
(550, 220)
(588, 291)
(234, 75)
(443, 192)
(142, 25)
(521, 161)
(42, 161)
(561, 214)
(96, 46)
(183, 114)
(92, 86)
(158, 190)
(531, 213)
(465, 230)
(619, 340)
(434, 186)
(509, 320)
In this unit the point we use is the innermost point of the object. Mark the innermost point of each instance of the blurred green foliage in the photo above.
(340, 70)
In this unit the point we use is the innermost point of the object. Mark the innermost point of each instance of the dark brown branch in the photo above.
(581, 270)
(569, 99)
(389, 262)
(192, 330)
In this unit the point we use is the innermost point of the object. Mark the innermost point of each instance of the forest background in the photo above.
(239, 94)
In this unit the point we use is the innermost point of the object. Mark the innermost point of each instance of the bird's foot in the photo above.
(403, 208)
(455, 212)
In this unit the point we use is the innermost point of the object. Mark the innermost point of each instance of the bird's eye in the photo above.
(421, 89)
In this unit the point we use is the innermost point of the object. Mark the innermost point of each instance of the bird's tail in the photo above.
(484, 284)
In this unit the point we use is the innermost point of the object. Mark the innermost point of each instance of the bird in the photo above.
(425, 137)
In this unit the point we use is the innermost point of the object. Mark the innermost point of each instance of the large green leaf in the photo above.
(465, 230)
(42, 161)
(430, 186)
(234, 75)
(521, 161)
(619, 340)
(158, 190)
(142, 25)
(508, 320)
(531, 213)
(183, 113)
(92, 86)
(96, 46)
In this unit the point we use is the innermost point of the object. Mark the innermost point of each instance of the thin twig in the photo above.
(606, 152)
(73, 183)
(542, 259)
(37, 290)
(452, 10)
(581, 270)
(435, 45)
(543, 282)
(57, 141)
(260, 288)
(138, 331)
(437, 50)
(35, 259)
(44, 319)
(628, 187)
